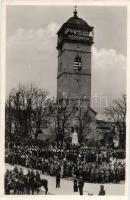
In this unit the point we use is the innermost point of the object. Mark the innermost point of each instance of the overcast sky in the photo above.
(32, 54)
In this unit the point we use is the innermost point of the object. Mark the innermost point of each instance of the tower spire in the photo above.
(75, 11)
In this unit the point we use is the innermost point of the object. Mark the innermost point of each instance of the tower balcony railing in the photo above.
(89, 39)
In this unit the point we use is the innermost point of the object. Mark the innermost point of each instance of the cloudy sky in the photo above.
(31, 46)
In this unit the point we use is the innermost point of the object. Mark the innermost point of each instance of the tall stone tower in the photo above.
(75, 39)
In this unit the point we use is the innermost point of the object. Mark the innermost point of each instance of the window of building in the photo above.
(77, 64)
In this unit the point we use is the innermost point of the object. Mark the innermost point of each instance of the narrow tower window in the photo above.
(77, 64)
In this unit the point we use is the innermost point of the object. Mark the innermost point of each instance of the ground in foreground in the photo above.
(66, 186)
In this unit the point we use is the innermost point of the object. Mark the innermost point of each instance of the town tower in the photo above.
(75, 39)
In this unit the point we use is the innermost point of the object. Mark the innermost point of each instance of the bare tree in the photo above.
(84, 120)
(117, 114)
(40, 109)
(62, 112)
(26, 106)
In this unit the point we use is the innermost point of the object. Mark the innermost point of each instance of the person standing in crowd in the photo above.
(81, 185)
(16, 170)
(32, 181)
(58, 180)
(102, 190)
(21, 174)
(75, 186)
(28, 182)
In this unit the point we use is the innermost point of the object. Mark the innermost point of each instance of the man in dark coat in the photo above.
(58, 180)
(75, 186)
(80, 186)
(32, 181)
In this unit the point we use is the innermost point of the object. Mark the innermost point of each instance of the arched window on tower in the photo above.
(77, 64)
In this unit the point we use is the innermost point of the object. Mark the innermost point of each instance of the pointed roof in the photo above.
(75, 22)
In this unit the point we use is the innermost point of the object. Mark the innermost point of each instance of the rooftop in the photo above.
(76, 22)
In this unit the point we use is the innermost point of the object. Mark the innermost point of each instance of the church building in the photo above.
(75, 40)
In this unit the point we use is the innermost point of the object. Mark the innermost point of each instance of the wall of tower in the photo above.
(68, 54)
(74, 86)
(69, 82)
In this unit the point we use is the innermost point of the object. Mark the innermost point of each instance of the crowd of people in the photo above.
(96, 165)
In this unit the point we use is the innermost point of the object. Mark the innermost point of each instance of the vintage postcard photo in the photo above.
(65, 100)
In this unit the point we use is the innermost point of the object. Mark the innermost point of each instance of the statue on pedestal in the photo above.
(74, 138)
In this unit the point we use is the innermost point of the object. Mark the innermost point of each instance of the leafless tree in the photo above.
(62, 111)
(84, 120)
(117, 114)
(25, 106)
